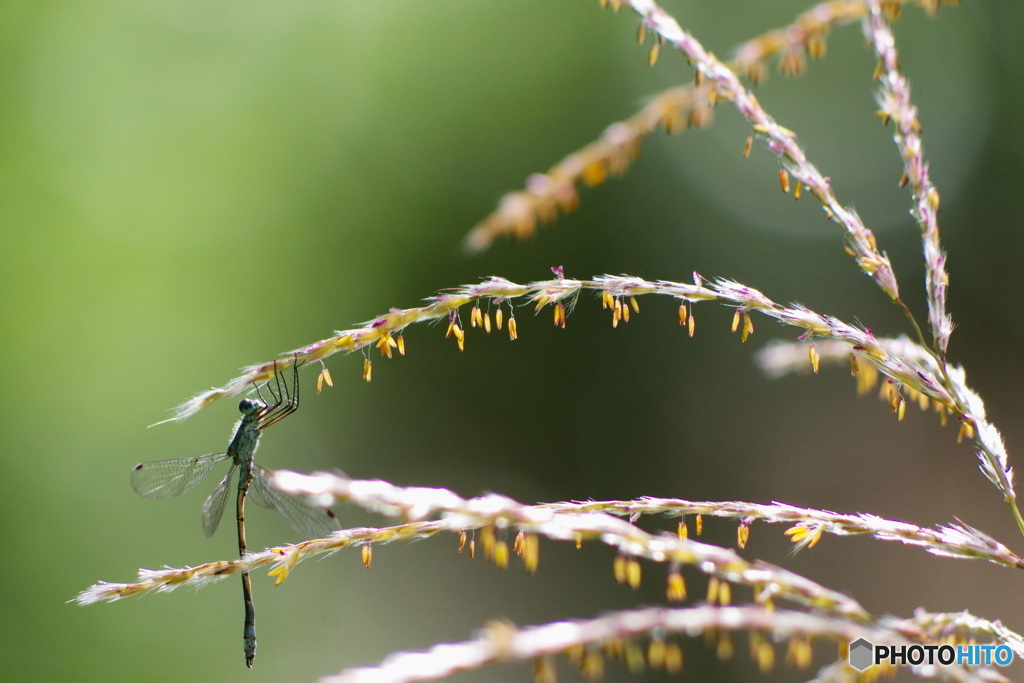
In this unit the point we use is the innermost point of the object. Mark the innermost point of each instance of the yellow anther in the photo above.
(633, 572)
(488, 540)
(713, 584)
(765, 656)
(742, 535)
(816, 46)
(592, 666)
(673, 658)
(323, 378)
(652, 57)
(725, 646)
(385, 344)
(966, 431)
(531, 553)
(544, 671)
(656, 654)
(619, 568)
(784, 180)
(560, 315)
(501, 554)
(676, 587)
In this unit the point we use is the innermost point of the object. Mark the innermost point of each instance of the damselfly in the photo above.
(167, 478)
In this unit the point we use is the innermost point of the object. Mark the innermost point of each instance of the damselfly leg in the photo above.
(285, 398)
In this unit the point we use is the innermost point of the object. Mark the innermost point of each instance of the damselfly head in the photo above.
(248, 406)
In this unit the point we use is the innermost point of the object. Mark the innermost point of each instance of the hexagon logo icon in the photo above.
(861, 654)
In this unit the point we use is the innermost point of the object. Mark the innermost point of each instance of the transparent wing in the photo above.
(167, 478)
(213, 506)
(302, 515)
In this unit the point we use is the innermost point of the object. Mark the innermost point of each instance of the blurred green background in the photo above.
(189, 187)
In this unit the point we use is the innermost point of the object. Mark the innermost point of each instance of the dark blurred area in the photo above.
(195, 186)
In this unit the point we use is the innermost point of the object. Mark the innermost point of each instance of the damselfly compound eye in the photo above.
(248, 406)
